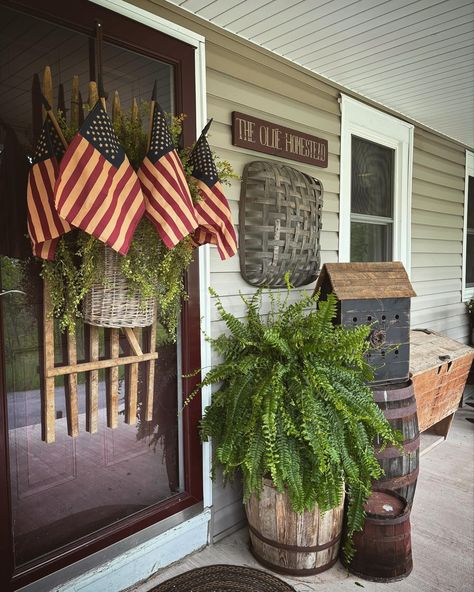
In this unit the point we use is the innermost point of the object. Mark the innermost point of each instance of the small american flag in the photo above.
(44, 224)
(98, 191)
(168, 201)
(213, 211)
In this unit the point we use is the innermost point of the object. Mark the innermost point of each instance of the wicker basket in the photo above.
(109, 304)
(279, 225)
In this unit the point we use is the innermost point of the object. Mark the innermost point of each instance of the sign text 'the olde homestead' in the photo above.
(270, 138)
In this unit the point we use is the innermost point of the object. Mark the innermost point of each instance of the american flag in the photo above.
(44, 224)
(168, 201)
(98, 191)
(213, 211)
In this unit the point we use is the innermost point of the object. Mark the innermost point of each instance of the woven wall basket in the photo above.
(279, 225)
(109, 304)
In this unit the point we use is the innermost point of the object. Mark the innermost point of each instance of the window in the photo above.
(376, 161)
(468, 243)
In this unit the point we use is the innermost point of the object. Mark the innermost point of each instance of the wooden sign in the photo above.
(270, 138)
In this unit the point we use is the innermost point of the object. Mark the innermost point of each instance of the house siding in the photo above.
(260, 88)
(437, 235)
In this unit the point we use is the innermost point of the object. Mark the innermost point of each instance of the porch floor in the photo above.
(442, 523)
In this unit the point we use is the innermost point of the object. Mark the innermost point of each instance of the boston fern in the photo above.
(294, 405)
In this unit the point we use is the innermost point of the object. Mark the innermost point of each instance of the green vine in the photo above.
(294, 405)
(151, 269)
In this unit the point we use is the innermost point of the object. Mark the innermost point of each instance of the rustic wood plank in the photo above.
(47, 88)
(101, 364)
(111, 380)
(72, 408)
(92, 383)
(75, 103)
(93, 96)
(131, 387)
(48, 433)
(150, 373)
(132, 341)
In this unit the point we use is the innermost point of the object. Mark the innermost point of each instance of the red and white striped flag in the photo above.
(168, 201)
(45, 226)
(98, 191)
(213, 211)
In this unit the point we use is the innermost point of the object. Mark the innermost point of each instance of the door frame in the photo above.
(195, 316)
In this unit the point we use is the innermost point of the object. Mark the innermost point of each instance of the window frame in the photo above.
(371, 124)
(467, 292)
(190, 98)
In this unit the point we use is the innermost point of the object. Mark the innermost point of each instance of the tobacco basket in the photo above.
(110, 304)
(279, 225)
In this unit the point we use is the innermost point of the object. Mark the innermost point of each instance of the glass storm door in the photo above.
(65, 499)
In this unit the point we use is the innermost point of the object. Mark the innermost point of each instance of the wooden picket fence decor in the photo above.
(92, 367)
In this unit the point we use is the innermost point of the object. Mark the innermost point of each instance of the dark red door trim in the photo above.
(80, 15)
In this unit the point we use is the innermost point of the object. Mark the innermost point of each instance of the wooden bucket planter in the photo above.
(383, 546)
(290, 543)
(398, 404)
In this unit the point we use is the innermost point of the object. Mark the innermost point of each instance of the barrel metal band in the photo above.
(392, 452)
(400, 412)
(295, 548)
(293, 572)
(398, 482)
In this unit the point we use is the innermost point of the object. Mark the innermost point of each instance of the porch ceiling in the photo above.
(413, 56)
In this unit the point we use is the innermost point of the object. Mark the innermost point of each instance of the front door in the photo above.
(71, 497)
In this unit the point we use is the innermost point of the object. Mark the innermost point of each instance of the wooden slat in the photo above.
(72, 410)
(150, 374)
(109, 363)
(75, 103)
(92, 384)
(48, 407)
(132, 341)
(131, 386)
(111, 380)
(47, 88)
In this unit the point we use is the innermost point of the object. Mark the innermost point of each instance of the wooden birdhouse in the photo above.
(377, 294)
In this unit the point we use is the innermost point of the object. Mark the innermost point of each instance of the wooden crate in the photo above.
(439, 367)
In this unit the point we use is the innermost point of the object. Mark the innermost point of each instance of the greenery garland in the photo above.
(294, 405)
(150, 267)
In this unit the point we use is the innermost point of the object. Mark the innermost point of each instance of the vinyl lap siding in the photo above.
(266, 89)
(437, 234)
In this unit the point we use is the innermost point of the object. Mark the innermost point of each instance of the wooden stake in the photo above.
(75, 102)
(150, 374)
(131, 385)
(72, 409)
(61, 101)
(47, 88)
(48, 407)
(134, 114)
(116, 109)
(93, 94)
(111, 380)
(92, 384)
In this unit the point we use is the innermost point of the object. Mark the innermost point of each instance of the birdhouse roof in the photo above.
(356, 281)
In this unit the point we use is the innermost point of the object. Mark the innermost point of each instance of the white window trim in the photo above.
(467, 293)
(374, 125)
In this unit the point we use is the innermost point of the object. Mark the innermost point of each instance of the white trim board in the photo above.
(467, 293)
(366, 122)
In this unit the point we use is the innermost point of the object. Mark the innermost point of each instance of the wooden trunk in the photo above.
(398, 404)
(291, 543)
(440, 367)
(383, 546)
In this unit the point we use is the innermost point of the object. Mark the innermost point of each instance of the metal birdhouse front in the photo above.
(377, 294)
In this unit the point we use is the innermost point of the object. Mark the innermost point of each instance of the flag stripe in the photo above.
(164, 202)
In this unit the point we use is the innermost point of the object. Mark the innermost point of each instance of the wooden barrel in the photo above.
(291, 543)
(398, 404)
(383, 547)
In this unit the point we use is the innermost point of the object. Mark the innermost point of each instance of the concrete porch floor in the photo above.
(442, 522)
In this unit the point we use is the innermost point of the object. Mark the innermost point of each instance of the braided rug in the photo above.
(224, 578)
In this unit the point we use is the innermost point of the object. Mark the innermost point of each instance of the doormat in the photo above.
(224, 578)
